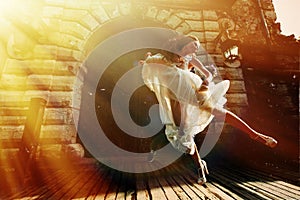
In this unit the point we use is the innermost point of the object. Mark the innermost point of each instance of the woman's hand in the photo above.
(205, 82)
(212, 69)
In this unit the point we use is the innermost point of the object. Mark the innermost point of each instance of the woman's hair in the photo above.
(174, 45)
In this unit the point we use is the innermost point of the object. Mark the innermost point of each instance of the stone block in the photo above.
(217, 48)
(89, 22)
(231, 74)
(190, 15)
(12, 120)
(12, 98)
(74, 151)
(75, 29)
(237, 86)
(42, 66)
(152, 12)
(16, 67)
(65, 40)
(112, 9)
(58, 116)
(47, 52)
(78, 55)
(210, 36)
(55, 152)
(100, 14)
(125, 8)
(217, 58)
(73, 14)
(20, 45)
(59, 133)
(173, 21)
(19, 67)
(210, 59)
(211, 26)
(82, 17)
(211, 47)
(36, 94)
(163, 15)
(66, 68)
(195, 25)
(51, 152)
(63, 83)
(11, 132)
(12, 82)
(39, 82)
(68, 54)
(210, 15)
(199, 35)
(13, 111)
(183, 28)
(218, 62)
(62, 99)
(237, 99)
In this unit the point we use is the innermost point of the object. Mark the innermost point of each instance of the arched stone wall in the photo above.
(64, 33)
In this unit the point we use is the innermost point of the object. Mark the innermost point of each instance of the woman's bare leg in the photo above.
(237, 122)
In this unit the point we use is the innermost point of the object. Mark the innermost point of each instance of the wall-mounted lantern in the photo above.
(230, 50)
(227, 39)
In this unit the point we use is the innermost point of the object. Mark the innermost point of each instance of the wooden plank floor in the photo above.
(177, 181)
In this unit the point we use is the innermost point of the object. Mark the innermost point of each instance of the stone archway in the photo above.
(141, 100)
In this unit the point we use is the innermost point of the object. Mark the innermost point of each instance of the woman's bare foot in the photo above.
(201, 173)
(266, 140)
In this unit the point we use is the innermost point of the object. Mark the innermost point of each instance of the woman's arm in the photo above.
(205, 75)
